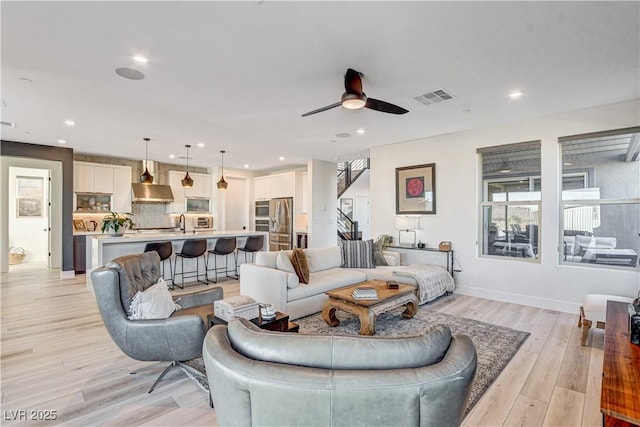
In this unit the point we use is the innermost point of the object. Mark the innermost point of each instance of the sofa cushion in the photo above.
(378, 253)
(326, 280)
(357, 254)
(299, 261)
(339, 352)
(135, 273)
(283, 262)
(605, 242)
(323, 258)
(266, 259)
(385, 272)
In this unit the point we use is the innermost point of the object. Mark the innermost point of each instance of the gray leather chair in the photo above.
(259, 377)
(176, 339)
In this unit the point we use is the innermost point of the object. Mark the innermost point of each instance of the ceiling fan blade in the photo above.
(353, 82)
(385, 107)
(319, 110)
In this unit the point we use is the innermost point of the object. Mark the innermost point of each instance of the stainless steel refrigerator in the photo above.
(280, 224)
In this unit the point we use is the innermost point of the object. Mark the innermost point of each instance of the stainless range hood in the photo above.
(151, 193)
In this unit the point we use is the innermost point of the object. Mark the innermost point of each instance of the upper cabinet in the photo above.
(93, 178)
(273, 186)
(99, 178)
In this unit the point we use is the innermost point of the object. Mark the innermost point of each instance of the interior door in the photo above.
(237, 204)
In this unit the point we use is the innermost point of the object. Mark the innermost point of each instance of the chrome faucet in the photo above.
(183, 223)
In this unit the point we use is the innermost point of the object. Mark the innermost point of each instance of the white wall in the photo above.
(545, 284)
(322, 215)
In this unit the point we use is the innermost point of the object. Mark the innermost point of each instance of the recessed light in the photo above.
(360, 131)
(172, 156)
(141, 59)
(281, 158)
(201, 144)
(69, 122)
(516, 94)
(246, 166)
(62, 141)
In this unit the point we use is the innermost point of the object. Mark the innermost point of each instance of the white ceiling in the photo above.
(238, 75)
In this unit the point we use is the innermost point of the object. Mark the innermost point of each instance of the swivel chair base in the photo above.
(171, 365)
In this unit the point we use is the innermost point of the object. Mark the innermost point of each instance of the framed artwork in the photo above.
(416, 189)
(346, 206)
(79, 225)
(29, 196)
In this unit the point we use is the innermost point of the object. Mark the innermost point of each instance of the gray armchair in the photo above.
(176, 339)
(259, 377)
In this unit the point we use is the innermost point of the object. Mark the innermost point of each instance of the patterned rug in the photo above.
(495, 345)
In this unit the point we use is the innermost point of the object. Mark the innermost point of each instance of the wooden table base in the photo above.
(368, 315)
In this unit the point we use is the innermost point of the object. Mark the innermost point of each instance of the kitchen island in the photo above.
(103, 248)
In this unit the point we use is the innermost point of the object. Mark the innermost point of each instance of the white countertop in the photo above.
(151, 237)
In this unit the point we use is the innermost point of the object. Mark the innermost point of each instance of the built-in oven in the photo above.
(262, 209)
(262, 224)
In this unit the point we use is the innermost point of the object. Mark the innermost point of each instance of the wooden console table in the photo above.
(620, 399)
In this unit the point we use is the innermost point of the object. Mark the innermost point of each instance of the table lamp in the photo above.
(407, 224)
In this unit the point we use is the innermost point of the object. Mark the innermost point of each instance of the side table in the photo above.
(280, 323)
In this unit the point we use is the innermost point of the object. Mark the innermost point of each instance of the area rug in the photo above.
(495, 345)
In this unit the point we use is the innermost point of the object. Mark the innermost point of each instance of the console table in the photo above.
(448, 254)
(620, 398)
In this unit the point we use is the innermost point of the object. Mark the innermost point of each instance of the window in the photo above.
(510, 208)
(600, 206)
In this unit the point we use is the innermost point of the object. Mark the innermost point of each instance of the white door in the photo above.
(361, 214)
(29, 213)
(237, 204)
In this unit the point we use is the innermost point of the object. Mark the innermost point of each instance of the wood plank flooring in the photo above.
(56, 355)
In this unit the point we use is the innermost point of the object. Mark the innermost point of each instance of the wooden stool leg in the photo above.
(586, 326)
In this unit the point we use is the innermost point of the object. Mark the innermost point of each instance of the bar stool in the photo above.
(224, 246)
(165, 250)
(192, 248)
(252, 245)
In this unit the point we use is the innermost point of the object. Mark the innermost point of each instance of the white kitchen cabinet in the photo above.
(177, 206)
(276, 185)
(201, 186)
(92, 178)
(121, 200)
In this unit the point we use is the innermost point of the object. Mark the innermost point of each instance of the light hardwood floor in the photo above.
(57, 356)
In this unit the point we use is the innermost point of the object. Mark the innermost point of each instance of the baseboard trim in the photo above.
(69, 274)
(546, 303)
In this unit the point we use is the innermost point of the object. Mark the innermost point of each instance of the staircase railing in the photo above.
(349, 172)
(347, 228)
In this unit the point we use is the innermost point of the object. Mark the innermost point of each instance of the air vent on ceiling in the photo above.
(438, 95)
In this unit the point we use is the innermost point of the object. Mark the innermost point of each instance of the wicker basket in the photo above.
(16, 255)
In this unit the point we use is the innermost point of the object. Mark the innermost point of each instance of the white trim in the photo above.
(546, 303)
(68, 274)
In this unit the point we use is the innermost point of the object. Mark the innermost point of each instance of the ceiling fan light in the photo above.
(352, 101)
(187, 181)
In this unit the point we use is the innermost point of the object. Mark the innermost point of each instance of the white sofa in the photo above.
(264, 282)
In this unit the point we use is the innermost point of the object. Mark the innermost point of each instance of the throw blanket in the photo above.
(433, 281)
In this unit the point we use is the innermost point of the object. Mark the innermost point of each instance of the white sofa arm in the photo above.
(265, 285)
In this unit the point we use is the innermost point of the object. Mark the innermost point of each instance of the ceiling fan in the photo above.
(354, 98)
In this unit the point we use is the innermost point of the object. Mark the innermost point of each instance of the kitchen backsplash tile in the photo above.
(149, 215)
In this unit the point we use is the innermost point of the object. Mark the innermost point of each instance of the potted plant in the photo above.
(116, 224)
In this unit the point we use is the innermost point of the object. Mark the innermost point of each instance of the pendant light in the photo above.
(222, 184)
(187, 181)
(146, 177)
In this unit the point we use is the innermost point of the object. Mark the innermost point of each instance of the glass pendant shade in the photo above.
(187, 181)
(222, 184)
(146, 177)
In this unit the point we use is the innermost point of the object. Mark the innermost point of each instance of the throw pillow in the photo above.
(300, 265)
(154, 303)
(378, 255)
(357, 254)
(283, 262)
